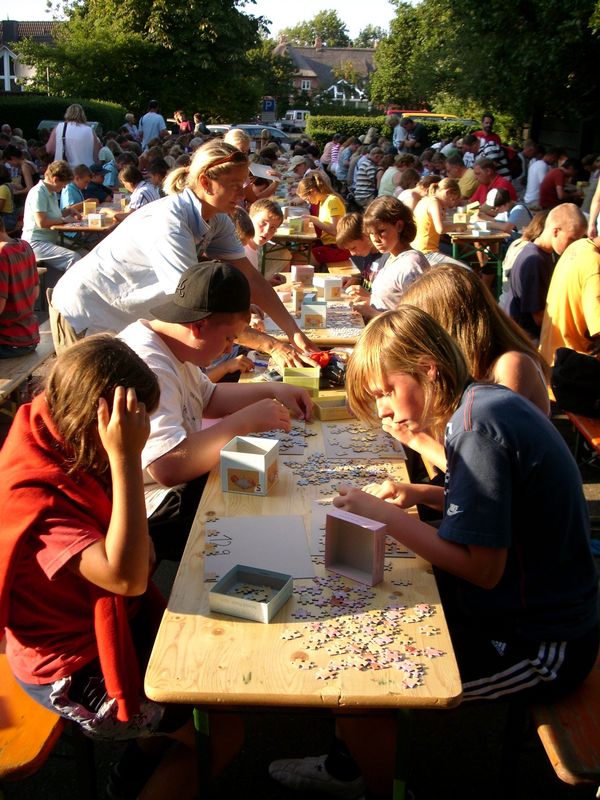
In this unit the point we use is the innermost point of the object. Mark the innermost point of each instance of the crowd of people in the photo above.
(104, 470)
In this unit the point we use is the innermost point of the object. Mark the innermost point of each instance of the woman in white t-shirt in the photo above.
(73, 140)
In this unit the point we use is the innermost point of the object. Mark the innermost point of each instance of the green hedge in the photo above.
(26, 111)
(321, 128)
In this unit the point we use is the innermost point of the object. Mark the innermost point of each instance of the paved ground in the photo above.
(455, 754)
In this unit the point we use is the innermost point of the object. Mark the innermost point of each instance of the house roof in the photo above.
(320, 61)
(41, 31)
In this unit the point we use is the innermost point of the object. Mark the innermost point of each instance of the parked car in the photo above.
(220, 129)
(254, 132)
(294, 120)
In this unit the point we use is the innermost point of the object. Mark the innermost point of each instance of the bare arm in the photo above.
(285, 355)
(247, 408)
(266, 297)
(421, 442)
(120, 562)
(435, 212)
(482, 566)
(519, 372)
(50, 145)
(594, 211)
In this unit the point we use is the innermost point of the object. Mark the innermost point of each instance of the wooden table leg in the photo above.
(201, 725)
(402, 764)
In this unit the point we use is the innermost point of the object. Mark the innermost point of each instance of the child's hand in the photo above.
(359, 502)
(124, 431)
(277, 280)
(297, 400)
(356, 292)
(239, 364)
(266, 415)
(400, 494)
(347, 282)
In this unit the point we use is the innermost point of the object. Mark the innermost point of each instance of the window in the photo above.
(305, 85)
(8, 77)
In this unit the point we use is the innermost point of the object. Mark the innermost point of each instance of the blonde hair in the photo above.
(319, 182)
(85, 372)
(407, 341)
(238, 138)
(75, 113)
(213, 159)
(462, 304)
(443, 184)
(60, 170)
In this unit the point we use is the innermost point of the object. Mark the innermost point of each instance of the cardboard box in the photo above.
(355, 546)
(94, 220)
(313, 315)
(306, 377)
(302, 273)
(329, 286)
(251, 593)
(460, 218)
(331, 407)
(295, 225)
(249, 465)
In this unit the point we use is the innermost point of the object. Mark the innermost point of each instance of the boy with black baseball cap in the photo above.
(198, 323)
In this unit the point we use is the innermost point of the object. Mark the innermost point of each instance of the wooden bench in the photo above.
(586, 427)
(569, 729)
(28, 732)
(15, 371)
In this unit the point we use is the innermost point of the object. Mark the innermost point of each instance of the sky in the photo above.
(354, 14)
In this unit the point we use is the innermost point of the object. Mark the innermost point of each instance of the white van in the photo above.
(294, 120)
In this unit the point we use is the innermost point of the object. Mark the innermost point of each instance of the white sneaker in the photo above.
(309, 774)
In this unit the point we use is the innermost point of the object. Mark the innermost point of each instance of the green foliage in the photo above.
(322, 128)
(347, 126)
(192, 55)
(525, 58)
(270, 75)
(326, 25)
(369, 35)
(27, 111)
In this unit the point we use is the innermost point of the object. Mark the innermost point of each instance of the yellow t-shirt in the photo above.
(427, 239)
(7, 196)
(331, 207)
(572, 313)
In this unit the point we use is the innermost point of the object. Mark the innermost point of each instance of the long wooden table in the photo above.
(344, 325)
(212, 660)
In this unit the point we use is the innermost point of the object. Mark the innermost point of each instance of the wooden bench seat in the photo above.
(569, 729)
(588, 427)
(15, 371)
(28, 732)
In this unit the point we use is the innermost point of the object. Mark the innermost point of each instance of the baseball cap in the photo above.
(97, 169)
(209, 287)
(296, 161)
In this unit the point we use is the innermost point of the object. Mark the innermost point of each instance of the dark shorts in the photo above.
(498, 666)
(170, 524)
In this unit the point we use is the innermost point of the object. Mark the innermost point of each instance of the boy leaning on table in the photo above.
(197, 324)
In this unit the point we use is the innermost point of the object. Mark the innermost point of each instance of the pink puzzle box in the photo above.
(355, 546)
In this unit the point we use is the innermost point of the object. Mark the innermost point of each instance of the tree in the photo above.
(270, 74)
(528, 58)
(392, 81)
(191, 55)
(325, 25)
(369, 36)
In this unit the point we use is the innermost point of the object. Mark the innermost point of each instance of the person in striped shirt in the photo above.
(141, 190)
